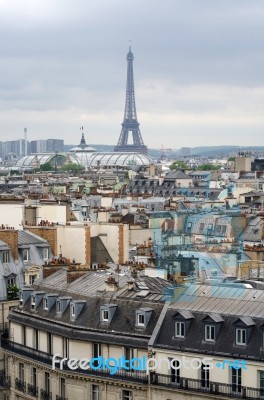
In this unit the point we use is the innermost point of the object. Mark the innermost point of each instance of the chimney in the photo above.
(10, 236)
(130, 285)
(75, 271)
(111, 284)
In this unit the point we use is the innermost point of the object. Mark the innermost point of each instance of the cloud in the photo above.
(197, 67)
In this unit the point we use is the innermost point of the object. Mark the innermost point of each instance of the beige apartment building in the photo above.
(205, 342)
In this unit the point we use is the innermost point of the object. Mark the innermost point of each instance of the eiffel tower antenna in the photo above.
(130, 123)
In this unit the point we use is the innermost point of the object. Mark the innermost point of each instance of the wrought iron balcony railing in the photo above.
(206, 386)
(61, 398)
(32, 390)
(45, 395)
(4, 380)
(20, 385)
(40, 356)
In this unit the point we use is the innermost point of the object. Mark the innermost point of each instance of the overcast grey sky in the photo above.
(198, 69)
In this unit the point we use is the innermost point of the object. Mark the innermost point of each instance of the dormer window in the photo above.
(45, 254)
(241, 336)
(107, 312)
(45, 303)
(58, 306)
(182, 320)
(180, 329)
(141, 320)
(212, 326)
(76, 307)
(143, 316)
(33, 302)
(209, 333)
(105, 315)
(5, 257)
(11, 281)
(243, 329)
(21, 299)
(25, 255)
(73, 310)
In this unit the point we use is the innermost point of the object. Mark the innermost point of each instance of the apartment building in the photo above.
(199, 341)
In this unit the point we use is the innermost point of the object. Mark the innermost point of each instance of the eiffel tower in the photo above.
(130, 123)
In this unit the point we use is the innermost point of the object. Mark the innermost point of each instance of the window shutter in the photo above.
(120, 394)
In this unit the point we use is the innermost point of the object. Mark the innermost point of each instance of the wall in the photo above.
(47, 233)
(52, 212)
(10, 236)
(139, 235)
(74, 241)
(12, 214)
(115, 238)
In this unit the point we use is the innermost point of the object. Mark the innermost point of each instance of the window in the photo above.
(33, 377)
(97, 352)
(236, 380)
(23, 335)
(205, 376)
(21, 299)
(36, 339)
(62, 387)
(240, 336)
(32, 279)
(25, 255)
(180, 329)
(73, 310)
(129, 353)
(65, 347)
(127, 395)
(105, 315)
(49, 343)
(95, 392)
(201, 227)
(47, 382)
(175, 371)
(45, 303)
(224, 227)
(141, 319)
(5, 257)
(21, 372)
(58, 306)
(218, 228)
(261, 383)
(11, 281)
(33, 302)
(210, 228)
(189, 226)
(45, 254)
(209, 333)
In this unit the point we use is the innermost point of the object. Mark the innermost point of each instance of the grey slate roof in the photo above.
(25, 238)
(99, 253)
(178, 174)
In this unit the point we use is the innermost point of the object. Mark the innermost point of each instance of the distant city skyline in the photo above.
(198, 70)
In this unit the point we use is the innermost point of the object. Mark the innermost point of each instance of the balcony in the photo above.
(45, 358)
(45, 395)
(20, 385)
(32, 390)
(212, 388)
